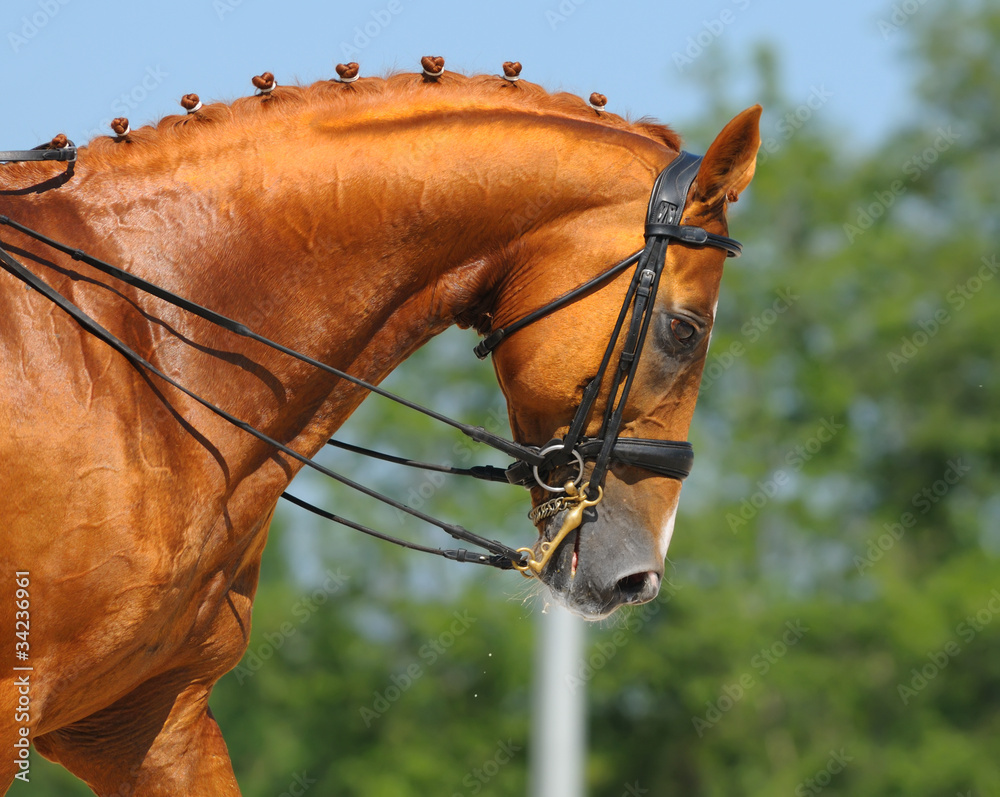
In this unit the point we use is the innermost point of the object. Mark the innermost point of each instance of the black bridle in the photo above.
(664, 457)
(671, 458)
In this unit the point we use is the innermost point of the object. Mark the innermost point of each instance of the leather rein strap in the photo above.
(667, 458)
(43, 152)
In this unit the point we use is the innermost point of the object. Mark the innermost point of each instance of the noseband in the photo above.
(669, 458)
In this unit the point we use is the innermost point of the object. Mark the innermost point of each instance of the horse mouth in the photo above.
(592, 577)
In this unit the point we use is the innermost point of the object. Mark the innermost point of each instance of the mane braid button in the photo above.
(598, 101)
(433, 66)
(348, 73)
(120, 127)
(264, 82)
(191, 103)
(511, 71)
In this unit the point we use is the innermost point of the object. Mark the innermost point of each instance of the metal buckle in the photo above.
(67, 154)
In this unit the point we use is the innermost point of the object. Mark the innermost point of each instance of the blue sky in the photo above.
(71, 66)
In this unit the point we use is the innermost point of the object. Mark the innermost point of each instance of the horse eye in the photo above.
(682, 330)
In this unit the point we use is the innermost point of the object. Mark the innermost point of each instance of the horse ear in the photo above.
(729, 164)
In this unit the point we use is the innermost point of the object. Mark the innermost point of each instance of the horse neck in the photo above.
(353, 243)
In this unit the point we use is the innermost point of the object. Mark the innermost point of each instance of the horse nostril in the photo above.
(639, 587)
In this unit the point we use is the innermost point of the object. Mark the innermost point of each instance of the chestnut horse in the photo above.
(352, 222)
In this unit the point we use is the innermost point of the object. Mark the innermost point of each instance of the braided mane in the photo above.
(331, 96)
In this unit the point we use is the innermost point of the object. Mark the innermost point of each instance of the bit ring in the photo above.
(557, 447)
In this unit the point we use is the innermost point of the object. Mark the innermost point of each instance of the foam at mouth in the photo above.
(575, 562)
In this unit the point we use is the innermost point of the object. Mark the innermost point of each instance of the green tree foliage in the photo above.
(831, 618)
(847, 477)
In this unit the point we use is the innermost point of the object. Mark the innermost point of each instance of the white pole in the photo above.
(559, 716)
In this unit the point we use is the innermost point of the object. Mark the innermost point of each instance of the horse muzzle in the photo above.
(607, 560)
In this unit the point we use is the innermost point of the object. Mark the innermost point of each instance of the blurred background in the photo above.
(830, 621)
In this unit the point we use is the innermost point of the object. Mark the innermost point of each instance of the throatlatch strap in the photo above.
(486, 346)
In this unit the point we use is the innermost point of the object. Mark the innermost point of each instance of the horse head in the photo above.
(610, 549)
